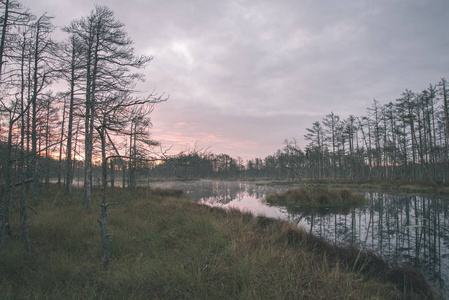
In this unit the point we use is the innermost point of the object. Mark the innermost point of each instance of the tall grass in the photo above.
(167, 247)
(316, 197)
(397, 186)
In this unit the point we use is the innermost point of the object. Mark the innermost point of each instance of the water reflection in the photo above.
(242, 195)
(403, 229)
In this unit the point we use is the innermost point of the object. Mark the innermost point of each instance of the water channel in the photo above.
(403, 229)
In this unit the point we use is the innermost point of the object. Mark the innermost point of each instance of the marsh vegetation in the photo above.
(401, 228)
(316, 197)
(165, 246)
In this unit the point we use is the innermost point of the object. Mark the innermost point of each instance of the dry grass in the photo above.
(316, 197)
(170, 248)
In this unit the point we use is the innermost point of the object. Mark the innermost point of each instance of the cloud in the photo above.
(244, 75)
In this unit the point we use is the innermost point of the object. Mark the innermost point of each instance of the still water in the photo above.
(403, 229)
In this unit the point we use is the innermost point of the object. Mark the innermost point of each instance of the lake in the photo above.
(402, 229)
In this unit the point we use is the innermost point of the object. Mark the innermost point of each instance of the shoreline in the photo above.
(168, 247)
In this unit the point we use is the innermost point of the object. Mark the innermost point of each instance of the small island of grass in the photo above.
(316, 197)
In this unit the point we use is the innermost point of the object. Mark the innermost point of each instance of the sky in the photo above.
(242, 76)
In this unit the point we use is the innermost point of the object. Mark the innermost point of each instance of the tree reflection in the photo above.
(403, 229)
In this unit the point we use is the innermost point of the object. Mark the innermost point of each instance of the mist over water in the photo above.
(402, 229)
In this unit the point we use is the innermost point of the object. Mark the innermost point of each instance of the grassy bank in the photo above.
(166, 247)
(406, 187)
(390, 186)
(316, 197)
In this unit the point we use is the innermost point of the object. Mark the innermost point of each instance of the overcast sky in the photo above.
(243, 76)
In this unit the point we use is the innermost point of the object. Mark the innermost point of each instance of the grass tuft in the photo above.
(316, 197)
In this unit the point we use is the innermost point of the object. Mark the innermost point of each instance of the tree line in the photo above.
(66, 103)
(407, 139)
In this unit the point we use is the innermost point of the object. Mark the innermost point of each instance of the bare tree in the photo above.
(14, 21)
(316, 136)
(331, 121)
(42, 75)
(444, 93)
(293, 159)
(109, 57)
(14, 17)
(71, 67)
(349, 130)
